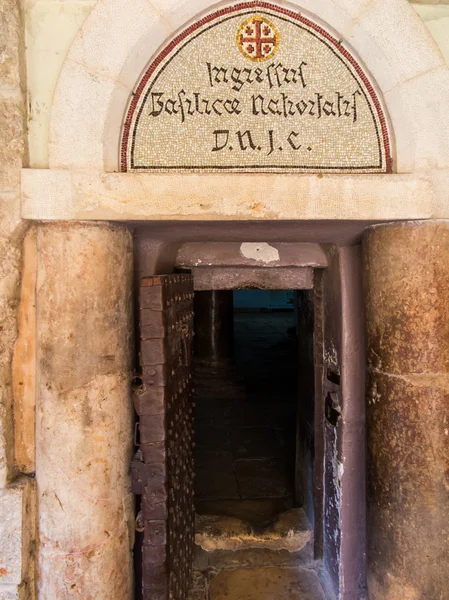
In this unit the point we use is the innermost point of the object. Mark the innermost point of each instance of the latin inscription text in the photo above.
(279, 91)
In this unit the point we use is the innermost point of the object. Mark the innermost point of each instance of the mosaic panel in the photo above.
(255, 86)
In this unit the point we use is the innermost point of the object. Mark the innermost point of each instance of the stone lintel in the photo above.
(52, 195)
(230, 278)
(250, 254)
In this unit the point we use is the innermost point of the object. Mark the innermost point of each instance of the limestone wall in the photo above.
(51, 26)
(436, 17)
(17, 523)
(12, 119)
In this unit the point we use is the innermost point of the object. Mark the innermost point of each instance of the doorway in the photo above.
(252, 482)
(246, 411)
(329, 368)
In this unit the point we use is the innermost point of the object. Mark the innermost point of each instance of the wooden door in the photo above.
(162, 469)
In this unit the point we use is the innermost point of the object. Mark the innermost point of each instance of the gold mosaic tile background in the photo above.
(254, 88)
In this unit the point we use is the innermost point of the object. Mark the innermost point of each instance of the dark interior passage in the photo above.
(254, 538)
(246, 408)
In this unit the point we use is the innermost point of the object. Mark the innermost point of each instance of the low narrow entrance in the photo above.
(253, 538)
(266, 519)
(246, 410)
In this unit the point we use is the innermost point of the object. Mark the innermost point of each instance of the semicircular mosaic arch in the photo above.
(256, 87)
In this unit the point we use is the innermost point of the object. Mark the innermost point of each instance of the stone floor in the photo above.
(257, 574)
(245, 451)
(267, 583)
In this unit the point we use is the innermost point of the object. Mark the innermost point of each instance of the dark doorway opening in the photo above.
(246, 405)
(254, 486)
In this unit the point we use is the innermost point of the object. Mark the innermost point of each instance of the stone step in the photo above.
(289, 531)
(265, 584)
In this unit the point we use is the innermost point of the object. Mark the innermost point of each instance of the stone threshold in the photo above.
(290, 531)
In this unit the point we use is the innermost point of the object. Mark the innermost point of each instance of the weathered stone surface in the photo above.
(84, 411)
(27, 588)
(207, 565)
(227, 254)
(252, 558)
(11, 535)
(70, 194)
(24, 362)
(407, 272)
(290, 531)
(17, 540)
(266, 584)
(9, 48)
(407, 509)
(407, 291)
(12, 148)
(9, 592)
(11, 126)
(11, 233)
(430, 2)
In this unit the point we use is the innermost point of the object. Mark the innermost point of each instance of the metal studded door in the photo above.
(162, 469)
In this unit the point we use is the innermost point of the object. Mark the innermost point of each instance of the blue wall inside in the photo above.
(273, 299)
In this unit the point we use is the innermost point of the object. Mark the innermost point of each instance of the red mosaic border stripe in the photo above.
(255, 5)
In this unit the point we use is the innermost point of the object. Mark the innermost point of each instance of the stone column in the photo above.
(406, 269)
(214, 326)
(84, 411)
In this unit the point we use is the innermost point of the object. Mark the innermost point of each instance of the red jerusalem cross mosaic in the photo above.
(257, 39)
